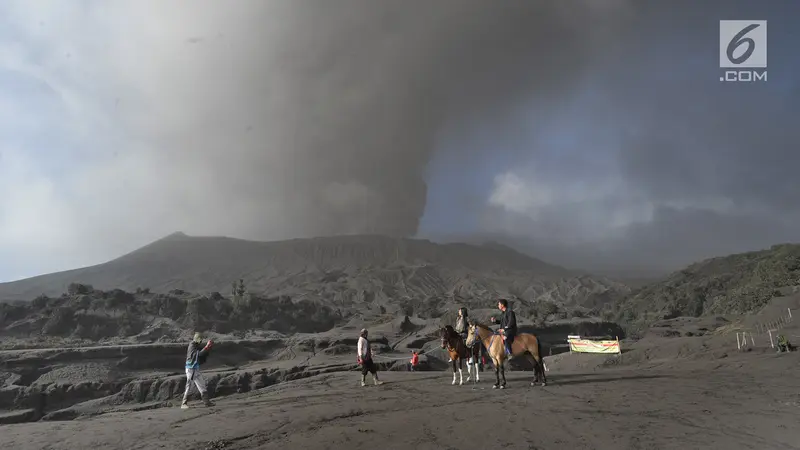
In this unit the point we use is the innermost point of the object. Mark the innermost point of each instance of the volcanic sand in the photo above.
(740, 402)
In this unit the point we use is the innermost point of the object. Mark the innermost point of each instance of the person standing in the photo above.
(414, 361)
(195, 356)
(508, 324)
(365, 359)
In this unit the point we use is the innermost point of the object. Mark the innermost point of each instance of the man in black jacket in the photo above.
(195, 356)
(508, 324)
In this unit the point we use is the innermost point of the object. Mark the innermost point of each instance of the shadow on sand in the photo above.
(577, 379)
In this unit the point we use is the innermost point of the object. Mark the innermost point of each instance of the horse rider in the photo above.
(462, 325)
(508, 324)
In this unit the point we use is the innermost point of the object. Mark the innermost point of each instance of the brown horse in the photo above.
(457, 351)
(524, 343)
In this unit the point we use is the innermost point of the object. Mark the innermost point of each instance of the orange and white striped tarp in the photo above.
(589, 346)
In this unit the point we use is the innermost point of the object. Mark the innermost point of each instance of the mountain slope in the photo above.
(733, 284)
(341, 268)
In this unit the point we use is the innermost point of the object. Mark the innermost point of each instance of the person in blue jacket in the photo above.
(196, 356)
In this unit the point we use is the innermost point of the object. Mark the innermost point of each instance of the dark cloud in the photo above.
(700, 167)
(313, 117)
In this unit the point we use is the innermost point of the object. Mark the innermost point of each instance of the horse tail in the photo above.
(539, 349)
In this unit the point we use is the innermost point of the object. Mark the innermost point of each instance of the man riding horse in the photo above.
(500, 345)
(508, 324)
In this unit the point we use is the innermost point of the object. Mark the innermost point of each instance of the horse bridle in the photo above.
(447, 340)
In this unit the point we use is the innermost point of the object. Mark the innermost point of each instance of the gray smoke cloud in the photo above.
(272, 119)
(322, 116)
(278, 119)
(676, 166)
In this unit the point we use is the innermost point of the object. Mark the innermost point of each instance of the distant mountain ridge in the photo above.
(208, 264)
(734, 284)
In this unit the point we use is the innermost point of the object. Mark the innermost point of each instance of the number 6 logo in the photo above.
(742, 44)
(738, 40)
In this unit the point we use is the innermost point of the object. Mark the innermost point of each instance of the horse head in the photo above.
(446, 335)
(471, 330)
(473, 333)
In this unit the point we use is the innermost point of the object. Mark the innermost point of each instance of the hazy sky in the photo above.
(594, 134)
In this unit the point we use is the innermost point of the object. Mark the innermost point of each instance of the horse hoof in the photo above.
(502, 387)
(494, 386)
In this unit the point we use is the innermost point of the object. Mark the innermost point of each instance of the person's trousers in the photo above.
(193, 376)
(368, 366)
(509, 341)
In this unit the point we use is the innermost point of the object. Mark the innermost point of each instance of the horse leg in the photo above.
(454, 371)
(536, 371)
(475, 360)
(542, 370)
(503, 373)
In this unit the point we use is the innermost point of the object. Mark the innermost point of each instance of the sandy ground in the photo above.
(743, 403)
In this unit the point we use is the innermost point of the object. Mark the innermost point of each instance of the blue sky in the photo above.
(115, 130)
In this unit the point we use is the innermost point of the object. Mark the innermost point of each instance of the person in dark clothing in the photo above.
(508, 324)
(196, 356)
(783, 344)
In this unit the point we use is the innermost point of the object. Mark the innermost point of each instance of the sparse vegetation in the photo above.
(117, 313)
(734, 284)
